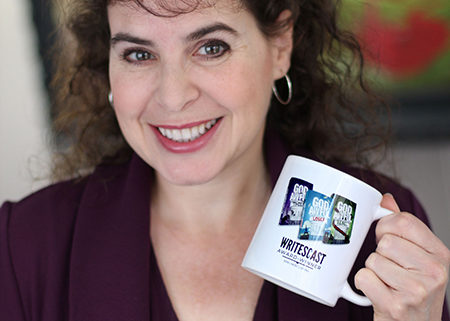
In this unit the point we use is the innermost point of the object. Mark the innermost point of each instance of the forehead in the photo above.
(172, 8)
(155, 21)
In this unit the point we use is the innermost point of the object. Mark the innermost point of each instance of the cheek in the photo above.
(130, 101)
(130, 95)
(257, 74)
(250, 87)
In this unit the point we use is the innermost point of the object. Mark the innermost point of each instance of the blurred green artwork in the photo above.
(406, 42)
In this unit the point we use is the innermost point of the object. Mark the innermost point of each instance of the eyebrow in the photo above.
(196, 35)
(122, 36)
(200, 33)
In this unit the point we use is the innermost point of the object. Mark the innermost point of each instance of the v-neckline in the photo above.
(161, 308)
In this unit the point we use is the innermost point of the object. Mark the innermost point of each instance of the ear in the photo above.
(282, 44)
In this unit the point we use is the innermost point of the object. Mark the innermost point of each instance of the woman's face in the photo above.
(191, 92)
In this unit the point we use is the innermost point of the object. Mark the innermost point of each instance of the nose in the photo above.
(176, 90)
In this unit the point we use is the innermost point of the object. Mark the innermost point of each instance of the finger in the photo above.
(406, 267)
(403, 252)
(388, 303)
(410, 228)
(393, 275)
(409, 292)
(376, 290)
(389, 203)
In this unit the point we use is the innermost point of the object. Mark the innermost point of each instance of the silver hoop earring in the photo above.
(111, 99)
(289, 85)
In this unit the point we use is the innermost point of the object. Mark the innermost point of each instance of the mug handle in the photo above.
(347, 292)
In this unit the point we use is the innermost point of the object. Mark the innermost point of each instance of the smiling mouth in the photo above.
(185, 135)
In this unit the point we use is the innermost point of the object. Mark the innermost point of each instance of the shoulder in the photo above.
(59, 197)
(57, 203)
(39, 224)
(46, 218)
(37, 237)
(41, 213)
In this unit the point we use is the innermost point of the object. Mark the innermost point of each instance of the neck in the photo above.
(235, 198)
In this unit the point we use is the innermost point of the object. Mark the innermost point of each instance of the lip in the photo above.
(186, 147)
(189, 125)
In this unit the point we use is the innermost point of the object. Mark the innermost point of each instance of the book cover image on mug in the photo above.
(328, 219)
(291, 213)
(340, 225)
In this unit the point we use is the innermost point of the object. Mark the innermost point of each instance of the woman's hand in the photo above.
(406, 277)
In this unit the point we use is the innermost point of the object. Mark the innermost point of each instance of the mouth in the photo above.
(187, 134)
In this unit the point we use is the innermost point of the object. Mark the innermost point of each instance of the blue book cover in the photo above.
(316, 216)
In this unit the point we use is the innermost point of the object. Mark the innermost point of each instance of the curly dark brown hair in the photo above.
(333, 113)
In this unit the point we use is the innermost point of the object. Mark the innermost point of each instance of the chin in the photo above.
(188, 176)
(187, 181)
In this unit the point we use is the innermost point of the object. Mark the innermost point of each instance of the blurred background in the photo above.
(407, 44)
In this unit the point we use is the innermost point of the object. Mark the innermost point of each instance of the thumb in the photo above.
(388, 202)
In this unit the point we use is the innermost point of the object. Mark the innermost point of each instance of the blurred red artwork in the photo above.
(406, 49)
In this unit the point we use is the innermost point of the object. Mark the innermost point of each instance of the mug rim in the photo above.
(293, 156)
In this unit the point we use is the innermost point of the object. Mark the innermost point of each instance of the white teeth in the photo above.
(187, 134)
(201, 129)
(176, 134)
(194, 132)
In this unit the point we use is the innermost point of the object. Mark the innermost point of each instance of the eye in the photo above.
(213, 49)
(137, 55)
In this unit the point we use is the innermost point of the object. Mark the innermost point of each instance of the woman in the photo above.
(200, 144)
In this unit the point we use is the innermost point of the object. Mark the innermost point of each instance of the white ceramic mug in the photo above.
(312, 230)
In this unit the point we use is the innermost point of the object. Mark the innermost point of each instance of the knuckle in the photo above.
(360, 278)
(370, 261)
(446, 256)
(385, 243)
(419, 294)
(438, 273)
(397, 310)
(380, 228)
(404, 221)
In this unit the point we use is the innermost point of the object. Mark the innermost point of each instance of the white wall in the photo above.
(23, 150)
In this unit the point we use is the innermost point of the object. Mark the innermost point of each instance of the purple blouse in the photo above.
(80, 251)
